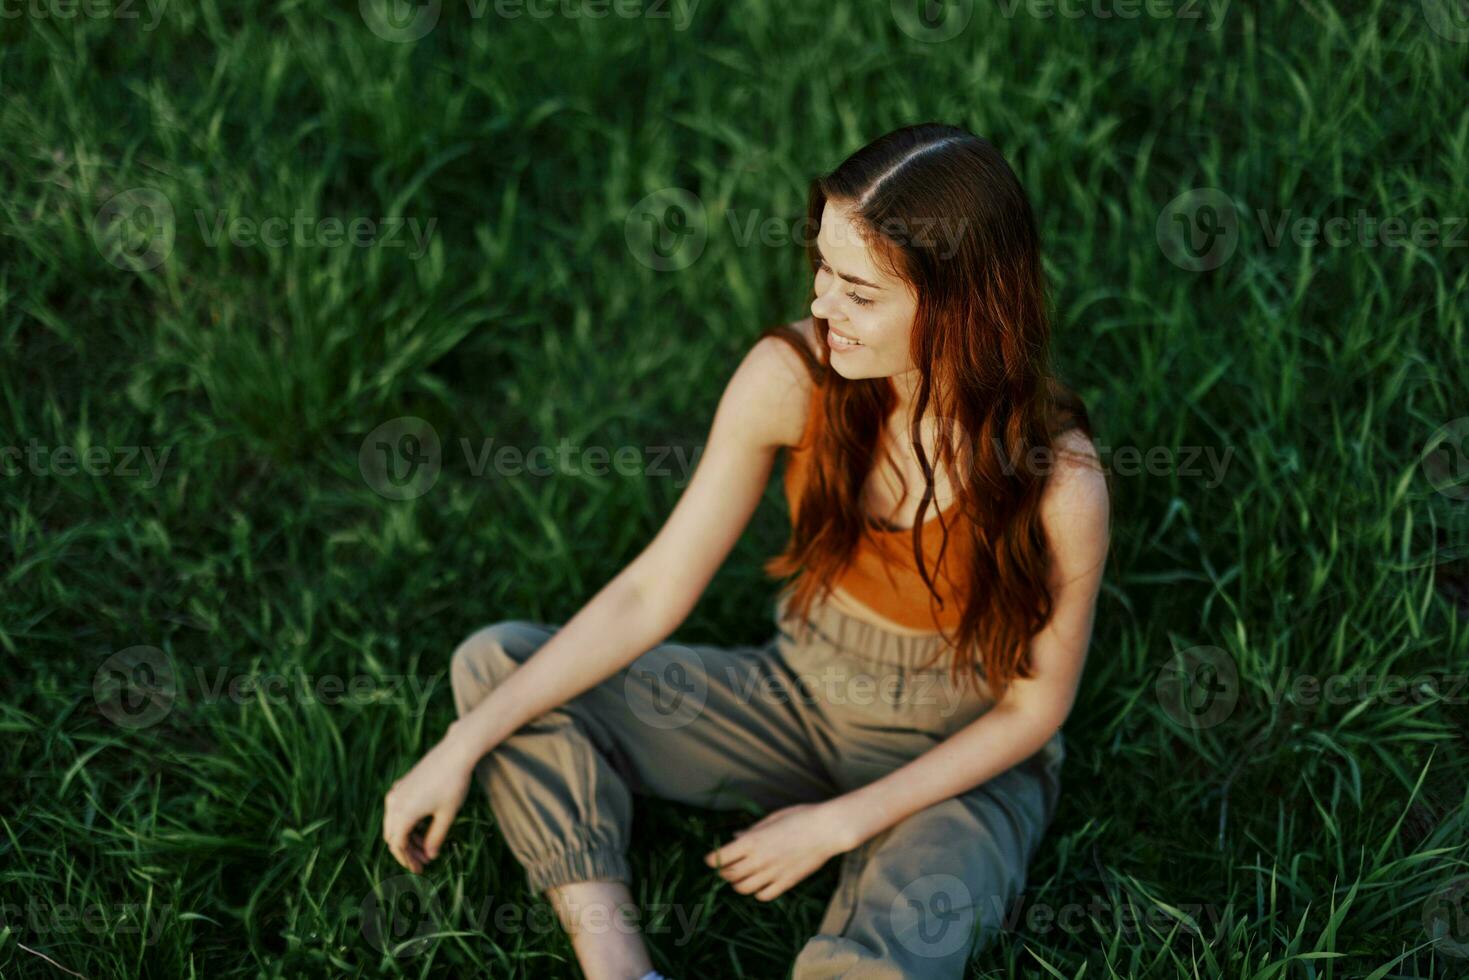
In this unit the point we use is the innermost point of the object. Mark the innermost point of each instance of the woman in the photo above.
(950, 524)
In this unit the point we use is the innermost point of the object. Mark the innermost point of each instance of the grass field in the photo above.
(237, 239)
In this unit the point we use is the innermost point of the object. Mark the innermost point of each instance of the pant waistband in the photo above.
(863, 639)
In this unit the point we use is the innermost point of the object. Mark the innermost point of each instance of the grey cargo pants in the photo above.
(812, 713)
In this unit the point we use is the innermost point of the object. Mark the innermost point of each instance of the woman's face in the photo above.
(859, 301)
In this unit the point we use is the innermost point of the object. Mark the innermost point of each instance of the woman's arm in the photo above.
(1074, 512)
(772, 855)
(762, 408)
(655, 593)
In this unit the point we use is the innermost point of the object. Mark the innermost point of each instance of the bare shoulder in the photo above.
(771, 389)
(1075, 505)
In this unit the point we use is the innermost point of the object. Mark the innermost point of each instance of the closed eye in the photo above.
(821, 264)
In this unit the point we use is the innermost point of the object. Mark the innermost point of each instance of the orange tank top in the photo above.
(883, 574)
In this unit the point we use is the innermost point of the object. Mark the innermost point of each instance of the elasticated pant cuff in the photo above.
(598, 864)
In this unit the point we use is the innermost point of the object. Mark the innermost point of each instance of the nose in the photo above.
(824, 305)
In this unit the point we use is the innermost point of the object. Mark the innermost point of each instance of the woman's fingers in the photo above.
(399, 846)
(396, 830)
(400, 854)
(772, 890)
(753, 883)
(728, 854)
(437, 831)
(743, 870)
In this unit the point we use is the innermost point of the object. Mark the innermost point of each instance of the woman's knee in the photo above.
(487, 656)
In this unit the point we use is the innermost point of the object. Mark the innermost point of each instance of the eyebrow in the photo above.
(855, 280)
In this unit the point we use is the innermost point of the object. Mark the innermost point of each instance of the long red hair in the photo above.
(945, 213)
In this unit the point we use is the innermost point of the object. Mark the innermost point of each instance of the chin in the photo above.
(856, 372)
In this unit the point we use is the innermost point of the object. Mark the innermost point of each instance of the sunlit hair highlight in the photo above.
(943, 212)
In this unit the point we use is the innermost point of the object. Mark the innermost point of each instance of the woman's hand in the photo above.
(435, 788)
(768, 857)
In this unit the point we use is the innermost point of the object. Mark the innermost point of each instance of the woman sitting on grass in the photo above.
(906, 713)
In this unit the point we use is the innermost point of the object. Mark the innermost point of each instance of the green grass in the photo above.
(1307, 837)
